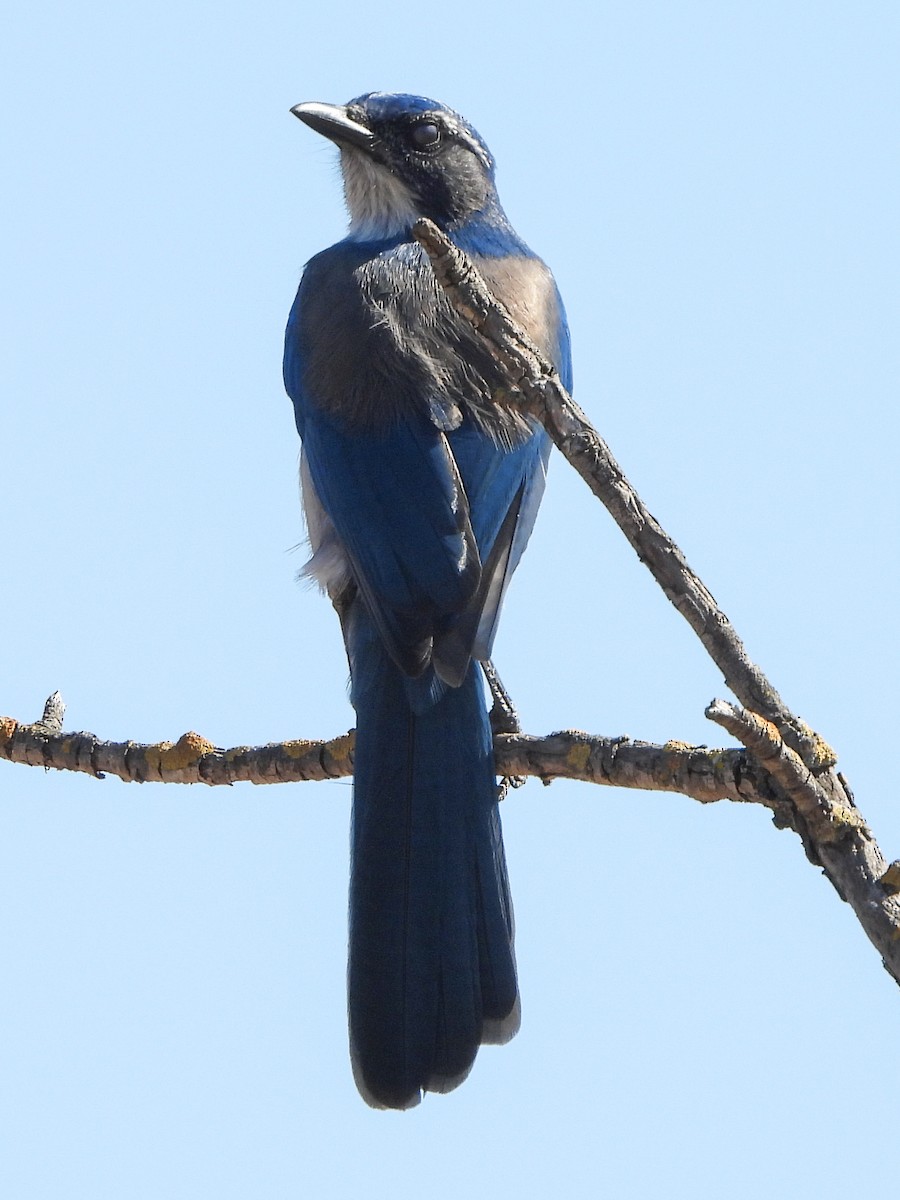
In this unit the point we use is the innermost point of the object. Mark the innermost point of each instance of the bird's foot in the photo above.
(503, 715)
(504, 719)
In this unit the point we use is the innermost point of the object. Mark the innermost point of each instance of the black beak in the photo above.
(334, 122)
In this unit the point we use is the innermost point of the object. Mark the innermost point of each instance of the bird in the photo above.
(420, 485)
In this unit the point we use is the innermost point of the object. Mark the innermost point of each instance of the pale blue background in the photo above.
(716, 188)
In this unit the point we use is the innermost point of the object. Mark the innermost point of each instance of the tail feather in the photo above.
(432, 973)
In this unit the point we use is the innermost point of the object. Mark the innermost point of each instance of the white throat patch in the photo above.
(380, 204)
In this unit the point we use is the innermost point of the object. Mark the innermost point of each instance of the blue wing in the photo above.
(433, 520)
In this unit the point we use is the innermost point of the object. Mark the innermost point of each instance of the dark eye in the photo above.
(425, 135)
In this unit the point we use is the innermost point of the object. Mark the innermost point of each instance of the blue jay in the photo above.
(420, 486)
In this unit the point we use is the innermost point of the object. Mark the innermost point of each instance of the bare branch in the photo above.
(695, 771)
(814, 799)
(544, 396)
(192, 759)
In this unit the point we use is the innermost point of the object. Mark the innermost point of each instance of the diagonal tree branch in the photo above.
(800, 762)
(544, 396)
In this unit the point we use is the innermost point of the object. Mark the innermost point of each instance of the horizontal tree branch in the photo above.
(192, 759)
(695, 771)
(767, 772)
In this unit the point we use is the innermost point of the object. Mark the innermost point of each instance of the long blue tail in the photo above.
(432, 973)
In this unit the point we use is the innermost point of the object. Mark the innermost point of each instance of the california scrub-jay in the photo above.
(420, 485)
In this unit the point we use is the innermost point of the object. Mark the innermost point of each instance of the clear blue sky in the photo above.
(716, 188)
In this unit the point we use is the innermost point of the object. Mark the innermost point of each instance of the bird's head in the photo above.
(404, 157)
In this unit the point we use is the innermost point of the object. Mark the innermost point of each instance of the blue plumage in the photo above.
(421, 484)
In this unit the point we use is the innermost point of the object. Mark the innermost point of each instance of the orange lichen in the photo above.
(186, 752)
